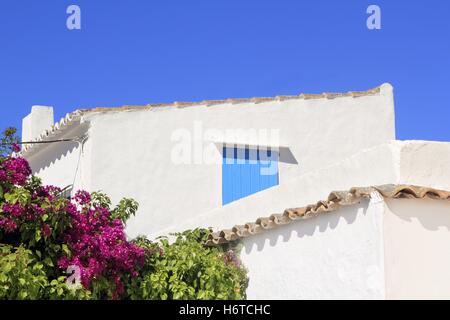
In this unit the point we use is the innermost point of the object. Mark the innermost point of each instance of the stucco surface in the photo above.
(131, 151)
(425, 163)
(334, 144)
(335, 256)
(416, 238)
(373, 166)
(64, 164)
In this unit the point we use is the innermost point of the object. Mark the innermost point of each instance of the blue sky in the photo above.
(140, 51)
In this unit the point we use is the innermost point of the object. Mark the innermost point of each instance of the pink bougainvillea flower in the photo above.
(46, 230)
(8, 225)
(96, 241)
(82, 197)
(15, 148)
(17, 170)
(14, 210)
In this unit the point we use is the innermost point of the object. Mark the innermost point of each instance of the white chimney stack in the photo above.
(34, 124)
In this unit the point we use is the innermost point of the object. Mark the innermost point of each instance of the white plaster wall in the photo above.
(64, 163)
(396, 162)
(40, 119)
(131, 151)
(416, 241)
(373, 166)
(425, 163)
(333, 256)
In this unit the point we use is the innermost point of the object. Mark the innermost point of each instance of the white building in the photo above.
(173, 160)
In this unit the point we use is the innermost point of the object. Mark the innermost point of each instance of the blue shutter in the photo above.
(246, 171)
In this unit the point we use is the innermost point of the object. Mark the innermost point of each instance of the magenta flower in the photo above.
(46, 230)
(8, 225)
(14, 210)
(98, 245)
(97, 242)
(82, 197)
(17, 171)
(15, 148)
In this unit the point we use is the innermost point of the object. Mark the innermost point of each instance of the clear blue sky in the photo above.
(141, 51)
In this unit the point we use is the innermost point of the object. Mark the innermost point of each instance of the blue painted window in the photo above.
(247, 171)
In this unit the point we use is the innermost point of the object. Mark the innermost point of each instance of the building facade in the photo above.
(170, 157)
(239, 165)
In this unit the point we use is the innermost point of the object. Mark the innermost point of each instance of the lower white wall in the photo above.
(333, 256)
(417, 255)
(393, 249)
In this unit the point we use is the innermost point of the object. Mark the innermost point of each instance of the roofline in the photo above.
(53, 132)
(335, 201)
(303, 96)
(75, 117)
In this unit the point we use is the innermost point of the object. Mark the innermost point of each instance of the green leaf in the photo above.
(37, 236)
(49, 262)
(9, 198)
(66, 250)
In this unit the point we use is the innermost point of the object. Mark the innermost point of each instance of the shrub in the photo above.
(42, 234)
(186, 269)
(21, 276)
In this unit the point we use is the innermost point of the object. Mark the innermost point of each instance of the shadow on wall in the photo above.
(285, 153)
(305, 228)
(55, 152)
(431, 214)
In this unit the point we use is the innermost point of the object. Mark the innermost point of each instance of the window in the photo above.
(246, 171)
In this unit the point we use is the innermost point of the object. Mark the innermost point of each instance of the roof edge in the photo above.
(66, 122)
(304, 96)
(336, 200)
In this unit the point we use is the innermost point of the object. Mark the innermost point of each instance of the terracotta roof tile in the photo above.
(336, 200)
(74, 117)
(327, 95)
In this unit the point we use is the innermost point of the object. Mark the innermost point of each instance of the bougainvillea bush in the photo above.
(184, 269)
(57, 248)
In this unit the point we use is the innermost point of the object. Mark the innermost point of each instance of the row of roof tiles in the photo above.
(326, 95)
(70, 118)
(336, 200)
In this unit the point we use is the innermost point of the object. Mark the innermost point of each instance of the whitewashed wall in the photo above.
(131, 151)
(333, 256)
(396, 162)
(338, 144)
(397, 249)
(416, 241)
(373, 166)
(65, 163)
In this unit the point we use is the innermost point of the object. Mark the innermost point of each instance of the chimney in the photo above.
(34, 124)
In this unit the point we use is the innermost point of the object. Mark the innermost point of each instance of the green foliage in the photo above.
(9, 138)
(187, 269)
(37, 224)
(59, 290)
(125, 209)
(23, 277)
(31, 236)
